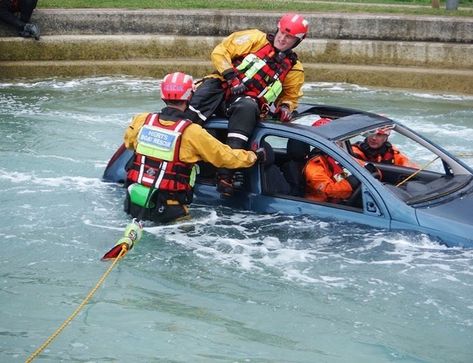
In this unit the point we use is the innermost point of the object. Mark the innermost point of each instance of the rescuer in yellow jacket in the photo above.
(254, 70)
(167, 145)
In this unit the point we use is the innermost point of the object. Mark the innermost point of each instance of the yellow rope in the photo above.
(464, 154)
(417, 172)
(73, 315)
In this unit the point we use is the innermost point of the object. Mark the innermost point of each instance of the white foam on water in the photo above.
(440, 96)
(60, 157)
(232, 241)
(125, 82)
(335, 87)
(338, 87)
(77, 183)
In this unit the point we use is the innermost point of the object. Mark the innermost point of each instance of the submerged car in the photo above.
(435, 197)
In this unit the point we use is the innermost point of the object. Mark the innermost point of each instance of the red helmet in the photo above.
(294, 24)
(385, 130)
(322, 121)
(177, 86)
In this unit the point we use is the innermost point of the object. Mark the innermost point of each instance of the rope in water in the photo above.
(123, 251)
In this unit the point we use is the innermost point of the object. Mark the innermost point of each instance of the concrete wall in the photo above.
(433, 53)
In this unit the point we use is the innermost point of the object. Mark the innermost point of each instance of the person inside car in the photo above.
(376, 148)
(327, 180)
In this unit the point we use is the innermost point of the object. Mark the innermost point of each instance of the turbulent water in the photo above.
(226, 286)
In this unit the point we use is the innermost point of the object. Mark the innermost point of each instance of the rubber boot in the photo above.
(238, 179)
(225, 184)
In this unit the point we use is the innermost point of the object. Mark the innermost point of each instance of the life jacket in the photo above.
(263, 72)
(338, 173)
(156, 162)
(385, 154)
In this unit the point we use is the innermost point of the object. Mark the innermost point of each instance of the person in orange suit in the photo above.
(376, 148)
(326, 180)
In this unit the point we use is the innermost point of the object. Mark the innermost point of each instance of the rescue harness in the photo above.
(263, 72)
(157, 166)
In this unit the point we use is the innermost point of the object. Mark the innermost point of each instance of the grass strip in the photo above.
(413, 7)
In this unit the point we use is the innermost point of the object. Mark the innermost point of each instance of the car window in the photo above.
(276, 142)
(294, 171)
(411, 152)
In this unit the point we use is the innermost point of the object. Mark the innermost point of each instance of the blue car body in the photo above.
(440, 205)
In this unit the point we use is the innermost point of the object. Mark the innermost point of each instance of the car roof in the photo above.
(346, 122)
(344, 127)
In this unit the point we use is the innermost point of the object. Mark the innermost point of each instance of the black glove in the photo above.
(260, 154)
(229, 75)
(234, 83)
(354, 182)
(373, 170)
(236, 87)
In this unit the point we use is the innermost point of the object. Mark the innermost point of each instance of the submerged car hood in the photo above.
(452, 219)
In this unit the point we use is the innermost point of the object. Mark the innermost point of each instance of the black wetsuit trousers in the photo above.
(207, 100)
(8, 16)
(242, 112)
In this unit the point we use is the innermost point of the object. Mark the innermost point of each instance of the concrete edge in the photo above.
(223, 22)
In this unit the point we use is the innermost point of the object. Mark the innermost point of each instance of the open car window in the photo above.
(284, 173)
(420, 172)
(413, 154)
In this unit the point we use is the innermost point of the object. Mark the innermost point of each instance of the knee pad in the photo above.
(237, 140)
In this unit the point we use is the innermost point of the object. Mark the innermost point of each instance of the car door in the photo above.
(370, 209)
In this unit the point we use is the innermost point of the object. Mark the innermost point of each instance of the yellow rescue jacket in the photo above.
(241, 43)
(196, 145)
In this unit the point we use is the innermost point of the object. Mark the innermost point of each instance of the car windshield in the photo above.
(412, 168)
